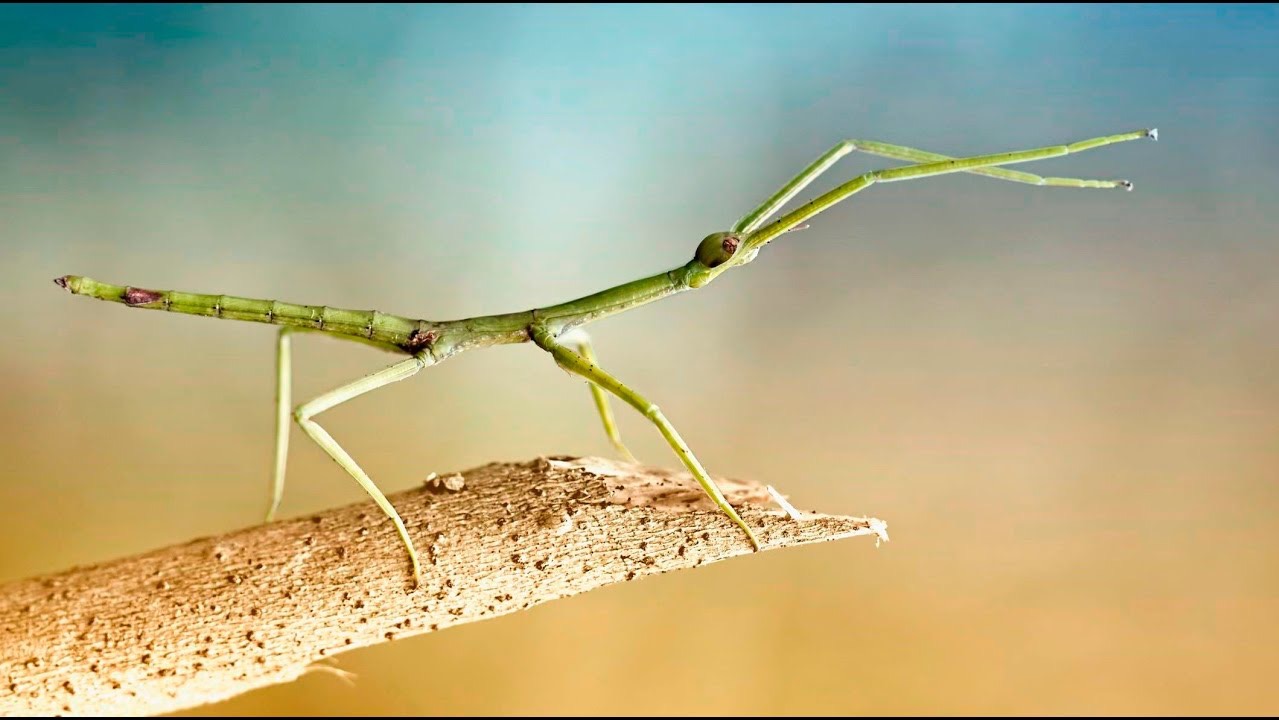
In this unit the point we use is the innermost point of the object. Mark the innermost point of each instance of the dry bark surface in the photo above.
(213, 618)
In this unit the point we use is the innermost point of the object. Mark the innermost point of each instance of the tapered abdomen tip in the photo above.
(73, 283)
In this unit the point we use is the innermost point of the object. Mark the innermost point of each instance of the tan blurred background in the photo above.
(1063, 402)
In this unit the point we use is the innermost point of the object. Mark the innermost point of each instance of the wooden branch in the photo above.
(217, 617)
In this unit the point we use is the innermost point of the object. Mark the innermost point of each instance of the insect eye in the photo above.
(717, 248)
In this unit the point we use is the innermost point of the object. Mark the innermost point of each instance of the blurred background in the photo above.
(1063, 402)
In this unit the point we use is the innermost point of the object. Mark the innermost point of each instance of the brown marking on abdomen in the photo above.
(419, 340)
(138, 296)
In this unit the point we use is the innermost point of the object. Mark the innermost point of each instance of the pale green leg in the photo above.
(901, 152)
(579, 365)
(283, 393)
(929, 169)
(583, 342)
(757, 217)
(399, 371)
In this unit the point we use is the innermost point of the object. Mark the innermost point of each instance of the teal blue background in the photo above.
(1063, 402)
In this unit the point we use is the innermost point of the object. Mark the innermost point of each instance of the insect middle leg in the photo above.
(579, 338)
(575, 363)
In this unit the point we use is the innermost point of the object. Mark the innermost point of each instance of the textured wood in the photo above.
(216, 617)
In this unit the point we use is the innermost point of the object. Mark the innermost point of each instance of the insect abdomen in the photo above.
(370, 325)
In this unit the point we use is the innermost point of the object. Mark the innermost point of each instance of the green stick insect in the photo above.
(427, 342)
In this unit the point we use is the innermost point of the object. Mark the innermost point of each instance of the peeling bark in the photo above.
(216, 617)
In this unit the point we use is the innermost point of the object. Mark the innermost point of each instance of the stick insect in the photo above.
(426, 342)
